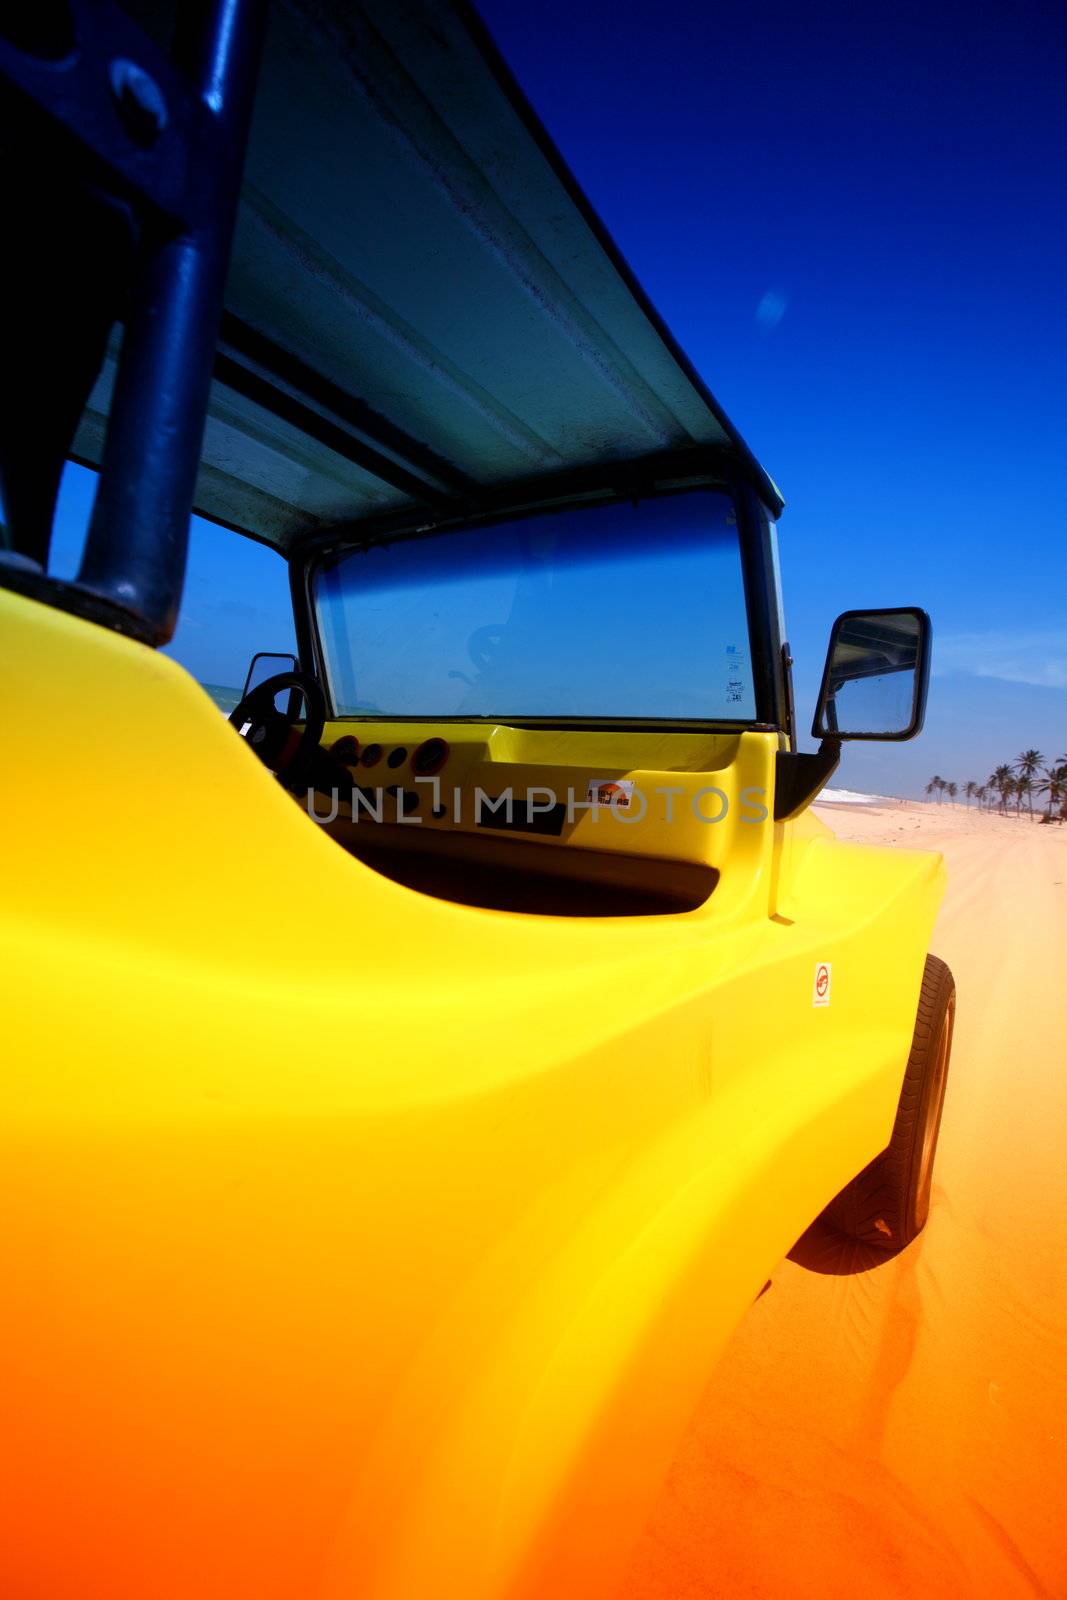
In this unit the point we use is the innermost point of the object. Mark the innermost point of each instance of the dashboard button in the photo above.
(346, 749)
(429, 758)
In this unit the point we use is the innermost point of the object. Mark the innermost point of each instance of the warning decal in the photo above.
(821, 991)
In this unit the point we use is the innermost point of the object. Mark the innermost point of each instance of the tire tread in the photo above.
(880, 1205)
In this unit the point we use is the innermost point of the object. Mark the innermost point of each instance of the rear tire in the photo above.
(888, 1203)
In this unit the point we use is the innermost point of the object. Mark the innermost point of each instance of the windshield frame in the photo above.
(755, 548)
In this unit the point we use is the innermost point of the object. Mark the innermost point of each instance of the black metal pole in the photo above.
(138, 537)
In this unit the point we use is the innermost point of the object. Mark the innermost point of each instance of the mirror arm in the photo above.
(800, 774)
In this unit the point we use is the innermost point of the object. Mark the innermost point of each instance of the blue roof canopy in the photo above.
(423, 312)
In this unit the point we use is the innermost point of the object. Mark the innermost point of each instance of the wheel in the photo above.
(888, 1203)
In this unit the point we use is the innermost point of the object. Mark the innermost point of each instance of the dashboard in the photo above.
(553, 821)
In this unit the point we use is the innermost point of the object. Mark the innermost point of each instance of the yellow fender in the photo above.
(361, 1244)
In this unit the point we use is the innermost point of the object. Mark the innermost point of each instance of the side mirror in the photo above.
(876, 676)
(261, 667)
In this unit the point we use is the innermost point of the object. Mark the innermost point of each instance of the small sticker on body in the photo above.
(736, 675)
(617, 792)
(820, 994)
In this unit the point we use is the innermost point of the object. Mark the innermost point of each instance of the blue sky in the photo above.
(853, 219)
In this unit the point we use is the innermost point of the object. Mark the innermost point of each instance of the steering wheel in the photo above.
(273, 736)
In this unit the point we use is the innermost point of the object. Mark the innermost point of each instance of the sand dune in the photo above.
(900, 1428)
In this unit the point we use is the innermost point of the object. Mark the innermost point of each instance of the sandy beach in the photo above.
(899, 1428)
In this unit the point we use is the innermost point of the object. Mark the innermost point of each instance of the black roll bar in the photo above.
(112, 126)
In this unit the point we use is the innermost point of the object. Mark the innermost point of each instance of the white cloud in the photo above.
(1036, 658)
(771, 310)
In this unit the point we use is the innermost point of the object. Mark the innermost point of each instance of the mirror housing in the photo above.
(887, 654)
(258, 674)
(876, 676)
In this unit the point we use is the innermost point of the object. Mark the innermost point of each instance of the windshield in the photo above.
(609, 611)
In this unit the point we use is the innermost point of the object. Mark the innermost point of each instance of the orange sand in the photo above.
(900, 1429)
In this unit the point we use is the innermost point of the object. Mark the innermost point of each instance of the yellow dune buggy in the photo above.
(410, 1079)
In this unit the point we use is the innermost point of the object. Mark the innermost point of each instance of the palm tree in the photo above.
(1055, 786)
(1028, 765)
(1013, 781)
(1001, 780)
